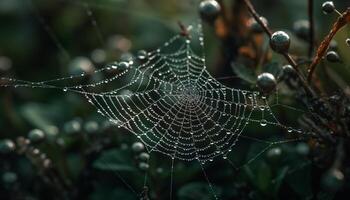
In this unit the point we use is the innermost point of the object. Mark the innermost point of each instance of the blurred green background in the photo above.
(83, 156)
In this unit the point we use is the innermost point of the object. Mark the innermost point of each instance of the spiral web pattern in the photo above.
(171, 103)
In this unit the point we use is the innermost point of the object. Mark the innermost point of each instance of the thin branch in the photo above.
(340, 23)
(286, 55)
(312, 27)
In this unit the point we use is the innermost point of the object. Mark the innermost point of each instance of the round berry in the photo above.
(9, 177)
(332, 180)
(280, 41)
(72, 127)
(255, 27)
(138, 147)
(274, 152)
(7, 146)
(209, 10)
(347, 41)
(332, 56)
(98, 56)
(36, 135)
(91, 127)
(81, 65)
(266, 83)
(302, 149)
(301, 29)
(328, 7)
(288, 70)
(143, 166)
(144, 156)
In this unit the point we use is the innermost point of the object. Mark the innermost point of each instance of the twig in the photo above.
(289, 58)
(340, 23)
(312, 26)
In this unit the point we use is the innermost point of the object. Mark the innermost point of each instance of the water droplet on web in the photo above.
(65, 89)
(289, 130)
(142, 54)
(263, 122)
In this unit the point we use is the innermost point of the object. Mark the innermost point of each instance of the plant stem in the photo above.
(340, 23)
(312, 27)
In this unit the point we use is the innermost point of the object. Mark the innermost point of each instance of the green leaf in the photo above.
(108, 193)
(115, 160)
(281, 174)
(302, 188)
(197, 191)
(243, 72)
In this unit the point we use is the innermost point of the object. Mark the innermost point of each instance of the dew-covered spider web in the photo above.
(172, 104)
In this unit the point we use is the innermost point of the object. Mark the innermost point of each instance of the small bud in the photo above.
(328, 7)
(332, 56)
(266, 83)
(143, 166)
(7, 146)
(209, 10)
(144, 156)
(138, 147)
(280, 42)
(36, 135)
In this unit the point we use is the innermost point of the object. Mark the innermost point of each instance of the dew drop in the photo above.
(142, 54)
(263, 122)
(65, 89)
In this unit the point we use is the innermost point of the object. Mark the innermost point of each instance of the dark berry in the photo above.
(301, 29)
(332, 180)
(143, 166)
(137, 147)
(36, 135)
(288, 70)
(280, 42)
(333, 45)
(266, 83)
(209, 10)
(91, 127)
(7, 146)
(332, 56)
(9, 177)
(255, 26)
(144, 156)
(328, 7)
(347, 41)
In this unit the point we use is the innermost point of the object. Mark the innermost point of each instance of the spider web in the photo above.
(170, 102)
